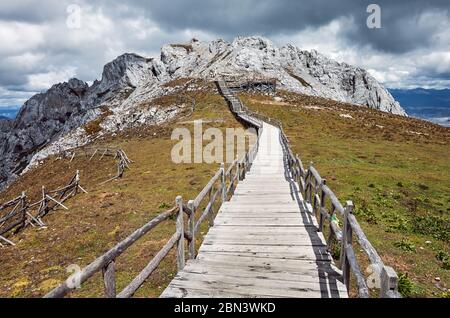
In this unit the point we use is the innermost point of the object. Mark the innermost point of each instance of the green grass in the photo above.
(396, 170)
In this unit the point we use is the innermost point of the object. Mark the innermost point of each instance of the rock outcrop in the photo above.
(51, 122)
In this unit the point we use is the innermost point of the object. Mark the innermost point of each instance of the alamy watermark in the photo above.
(374, 19)
(219, 148)
(73, 20)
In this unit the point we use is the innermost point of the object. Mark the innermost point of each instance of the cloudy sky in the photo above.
(41, 42)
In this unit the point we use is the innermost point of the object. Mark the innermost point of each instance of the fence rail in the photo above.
(251, 82)
(123, 162)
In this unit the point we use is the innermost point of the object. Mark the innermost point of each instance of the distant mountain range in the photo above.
(429, 104)
(8, 112)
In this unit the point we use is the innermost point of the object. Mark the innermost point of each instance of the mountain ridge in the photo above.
(51, 122)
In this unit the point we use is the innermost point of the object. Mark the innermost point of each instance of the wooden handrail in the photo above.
(152, 265)
(206, 189)
(110, 256)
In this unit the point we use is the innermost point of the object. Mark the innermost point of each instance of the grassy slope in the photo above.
(397, 174)
(100, 219)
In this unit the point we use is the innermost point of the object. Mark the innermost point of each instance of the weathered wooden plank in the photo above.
(252, 287)
(266, 240)
(251, 260)
(263, 282)
(301, 270)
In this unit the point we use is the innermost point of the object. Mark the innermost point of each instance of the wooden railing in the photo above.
(219, 188)
(106, 262)
(251, 82)
(324, 205)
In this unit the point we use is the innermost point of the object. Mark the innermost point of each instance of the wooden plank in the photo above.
(251, 260)
(310, 278)
(251, 287)
(288, 222)
(295, 252)
(263, 230)
(263, 282)
(266, 240)
(240, 267)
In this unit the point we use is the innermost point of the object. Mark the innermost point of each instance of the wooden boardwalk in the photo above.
(264, 242)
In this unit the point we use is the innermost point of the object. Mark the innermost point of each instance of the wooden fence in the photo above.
(18, 213)
(251, 83)
(123, 162)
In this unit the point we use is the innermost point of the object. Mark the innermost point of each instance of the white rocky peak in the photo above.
(297, 70)
(307, 72)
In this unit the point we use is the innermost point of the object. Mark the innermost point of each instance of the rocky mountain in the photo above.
(52, 121)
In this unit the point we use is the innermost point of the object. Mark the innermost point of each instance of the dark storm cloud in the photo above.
(31, 11)
(401, 30)
(37, 49)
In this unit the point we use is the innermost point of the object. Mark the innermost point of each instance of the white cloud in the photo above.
(19, 37)
(42, 81)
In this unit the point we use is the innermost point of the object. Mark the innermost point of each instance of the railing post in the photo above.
(347, 234)
(389, 283)
(77, 182)
(224, 184)
(23, 205)
(180, 229)
(247, 162)
(310, 184)
(299, 178)
(211, 210)
(191, 225)
(322, 204)
(109, 279)
(43, 207)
